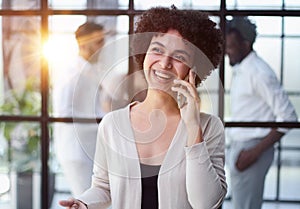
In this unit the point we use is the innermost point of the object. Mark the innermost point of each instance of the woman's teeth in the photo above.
(162, 75)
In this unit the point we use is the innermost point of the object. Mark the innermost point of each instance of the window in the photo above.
(38, 43)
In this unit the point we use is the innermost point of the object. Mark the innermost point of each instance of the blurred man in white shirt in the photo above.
(256, 95)
(79, 94)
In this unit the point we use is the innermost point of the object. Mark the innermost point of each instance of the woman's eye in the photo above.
(180, 58)
(156, 50)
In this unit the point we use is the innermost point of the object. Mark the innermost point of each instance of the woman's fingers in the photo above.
(192, 78)
(71, 203)
(186, 88)
(66, 203)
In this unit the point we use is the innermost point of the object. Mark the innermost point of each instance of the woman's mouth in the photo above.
(164, 76)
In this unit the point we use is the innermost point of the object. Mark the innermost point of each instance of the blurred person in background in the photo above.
(79, 94)
(256, 95)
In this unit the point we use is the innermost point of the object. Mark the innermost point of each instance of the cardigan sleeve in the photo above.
(205, 174)
(98, 196)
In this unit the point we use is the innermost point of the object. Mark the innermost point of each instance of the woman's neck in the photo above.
(158, 100)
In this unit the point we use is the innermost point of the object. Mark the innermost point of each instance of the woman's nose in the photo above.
(166, 62)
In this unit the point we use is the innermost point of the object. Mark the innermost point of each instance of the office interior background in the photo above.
(38, 43)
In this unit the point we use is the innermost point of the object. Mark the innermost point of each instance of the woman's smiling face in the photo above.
(168, 57)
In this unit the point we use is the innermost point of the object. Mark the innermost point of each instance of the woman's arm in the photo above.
(205, 175)
(98, 196)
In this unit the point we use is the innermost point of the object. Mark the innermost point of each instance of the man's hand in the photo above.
(247, 158)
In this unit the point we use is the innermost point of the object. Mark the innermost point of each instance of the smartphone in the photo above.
(180, 98)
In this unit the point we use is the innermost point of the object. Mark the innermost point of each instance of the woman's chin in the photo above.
(160, 89)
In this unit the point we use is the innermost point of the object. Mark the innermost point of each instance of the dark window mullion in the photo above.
(44, 110)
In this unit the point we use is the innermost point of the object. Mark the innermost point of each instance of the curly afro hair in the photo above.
(244, 28)
(194, 26)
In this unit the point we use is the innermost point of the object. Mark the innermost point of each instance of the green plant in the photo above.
(23, 148)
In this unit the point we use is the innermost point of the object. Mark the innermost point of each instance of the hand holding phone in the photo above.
(181, 100)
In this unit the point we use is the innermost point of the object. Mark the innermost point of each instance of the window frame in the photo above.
(45, 120)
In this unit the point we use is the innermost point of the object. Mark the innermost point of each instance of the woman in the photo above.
(162, 152)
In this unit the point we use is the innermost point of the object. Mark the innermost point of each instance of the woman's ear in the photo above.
(198, 80)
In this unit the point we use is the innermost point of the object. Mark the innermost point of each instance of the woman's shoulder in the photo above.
(207, 116)
(115, 115)
(212, 128)
(210, 120)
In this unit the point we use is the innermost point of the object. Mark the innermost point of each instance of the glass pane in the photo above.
(254, 4)
(146, 4)
(290, 172)
(289, 26)
(20, 165)
(61, 48)
(205, 5)
(63, 61)
(227, 113)
(58, 185)
(20, 66)
(291, 64)
(268, 25)
(105, 4)
(209, 102)
(86, 4)
(270, 50)
(21, 145)
(295, 99)
(291, 138)
(123, 4)
(270, 182)
(227, 80)
(20, 4)
(289, 181)
(292, 4)
(180, 4)
(67, 4)
(80, 138)
(209, 93)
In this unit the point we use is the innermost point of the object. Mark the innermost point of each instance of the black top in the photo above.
(149, 175)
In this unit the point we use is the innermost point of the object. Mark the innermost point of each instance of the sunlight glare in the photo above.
(58, 48)
(47, 50)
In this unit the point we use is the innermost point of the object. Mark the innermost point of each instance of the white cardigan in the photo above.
(189, 177)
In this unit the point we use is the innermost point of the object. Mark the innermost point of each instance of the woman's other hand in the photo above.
(72, 204)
